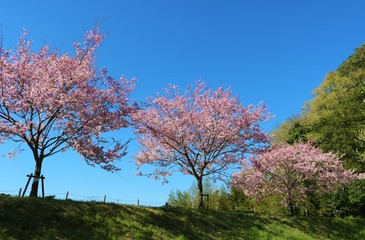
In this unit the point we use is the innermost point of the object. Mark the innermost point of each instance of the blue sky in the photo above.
(271, 51)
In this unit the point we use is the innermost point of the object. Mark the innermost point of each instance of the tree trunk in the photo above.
(200, 192)
(36, 178)
(290, 208)
(290, 204)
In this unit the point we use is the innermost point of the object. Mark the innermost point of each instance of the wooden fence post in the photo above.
(67, 195)
(104, 198)
(42, 178)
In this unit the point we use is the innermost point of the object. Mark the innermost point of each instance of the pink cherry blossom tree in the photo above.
(54, 102)
(288, 170)
(199, 132)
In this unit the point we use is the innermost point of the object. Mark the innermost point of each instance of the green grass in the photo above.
(32, 218)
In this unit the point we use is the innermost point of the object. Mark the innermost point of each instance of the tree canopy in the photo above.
(199, 132)
(292, 171)
(54, 102)
(336, 115)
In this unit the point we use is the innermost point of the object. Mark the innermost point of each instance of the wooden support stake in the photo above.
(104, 198)
(30, 176)
(67, 195)
(20, 192)
(26, 186)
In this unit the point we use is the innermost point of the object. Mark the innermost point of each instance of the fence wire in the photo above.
(82, 198)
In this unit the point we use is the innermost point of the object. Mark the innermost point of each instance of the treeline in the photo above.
(220, 198)
(224, 199)
(341, 202)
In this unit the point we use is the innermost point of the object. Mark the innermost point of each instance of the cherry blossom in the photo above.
(199, 132)
(54, 102)
(288, 170)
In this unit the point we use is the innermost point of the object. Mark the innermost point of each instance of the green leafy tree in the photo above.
(291, 131)
(179, 198)
(219, 199)
(238, 200)
(335, 121)
(224, 199)
(337, 112)
(190, 198)
(344, 201)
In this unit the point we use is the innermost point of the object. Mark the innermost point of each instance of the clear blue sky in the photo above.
(275, 51)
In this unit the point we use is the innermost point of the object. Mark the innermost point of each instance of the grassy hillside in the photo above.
(26, 218)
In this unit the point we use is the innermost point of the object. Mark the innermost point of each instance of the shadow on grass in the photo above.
(205, 224)
(33, 218)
